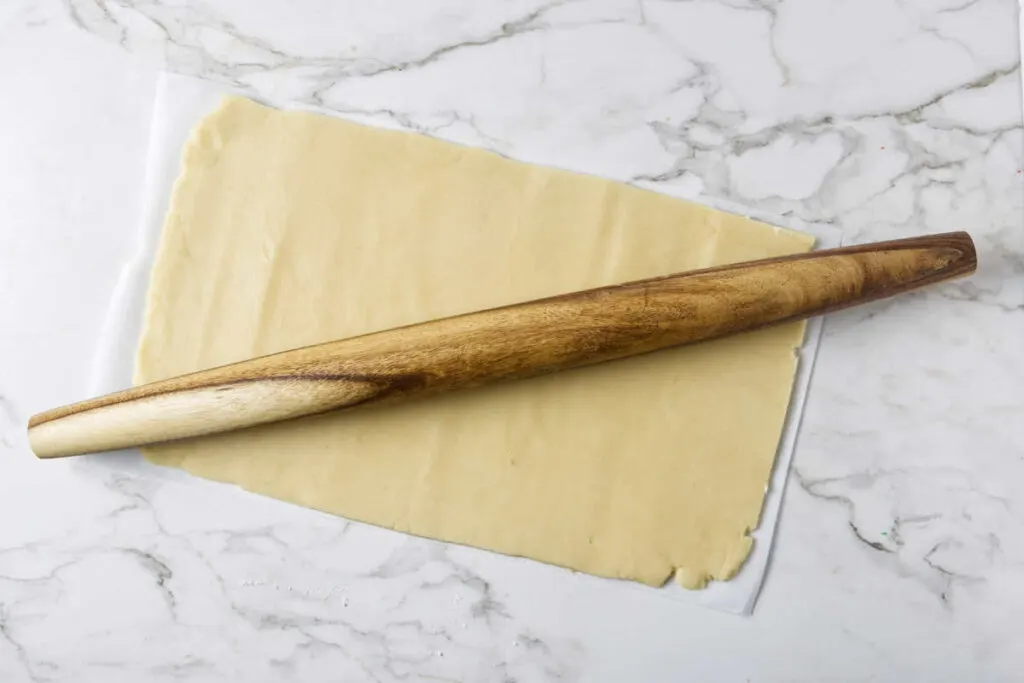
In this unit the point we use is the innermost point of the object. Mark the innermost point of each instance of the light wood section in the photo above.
(511, 342)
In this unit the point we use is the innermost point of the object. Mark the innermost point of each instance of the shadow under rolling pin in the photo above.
(511, 342)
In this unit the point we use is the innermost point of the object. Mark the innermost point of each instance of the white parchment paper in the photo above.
(180, 103)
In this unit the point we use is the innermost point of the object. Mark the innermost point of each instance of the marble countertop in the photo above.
(900, 554)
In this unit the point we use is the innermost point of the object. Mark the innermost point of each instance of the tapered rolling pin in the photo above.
(517, 341)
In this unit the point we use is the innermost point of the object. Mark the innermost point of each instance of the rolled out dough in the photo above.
(291, 228)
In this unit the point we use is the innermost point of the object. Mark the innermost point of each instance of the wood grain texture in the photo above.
(511, 342)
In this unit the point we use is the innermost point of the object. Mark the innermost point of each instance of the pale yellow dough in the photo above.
(292, 228)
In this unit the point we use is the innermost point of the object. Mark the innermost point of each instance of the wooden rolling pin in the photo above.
(517, 341)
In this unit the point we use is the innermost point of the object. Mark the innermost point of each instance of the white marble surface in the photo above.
(901, 549)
